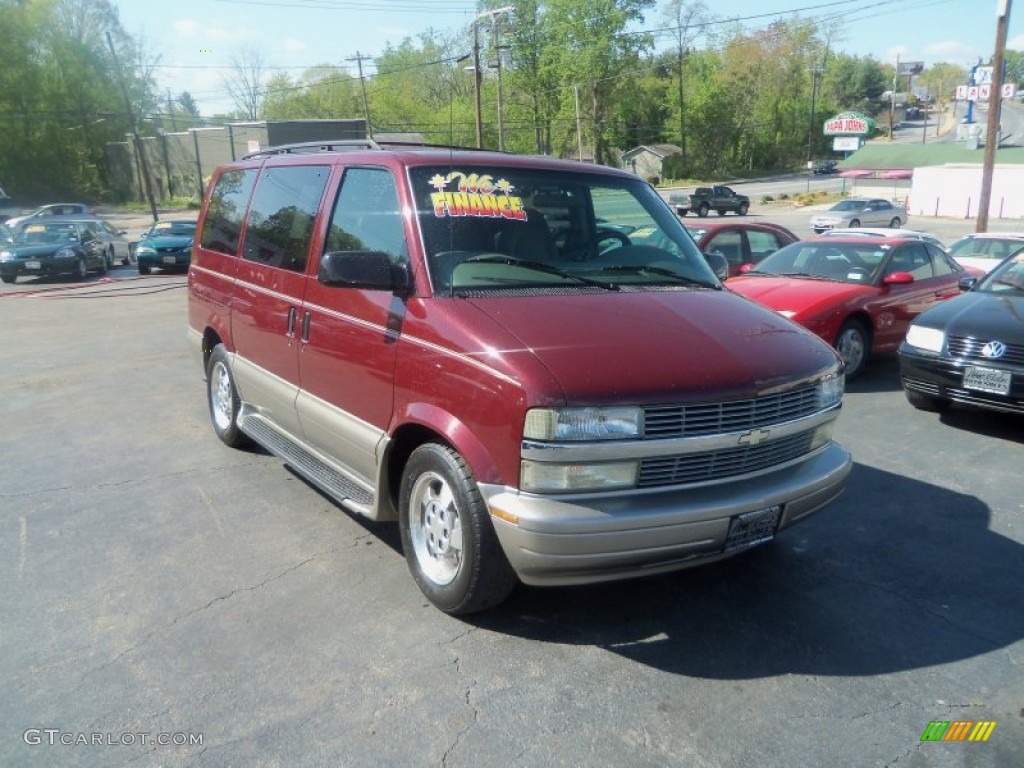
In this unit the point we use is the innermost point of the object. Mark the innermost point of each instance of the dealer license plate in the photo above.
(33, 265)
(987, 380)
(753, 528)
(170, 260)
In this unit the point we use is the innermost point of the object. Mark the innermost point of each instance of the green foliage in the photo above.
(577, 77)
(60, 96)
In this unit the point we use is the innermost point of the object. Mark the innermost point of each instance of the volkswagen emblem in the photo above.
(993, 349)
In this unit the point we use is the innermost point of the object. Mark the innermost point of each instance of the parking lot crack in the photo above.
(926, 609)
(194, 611)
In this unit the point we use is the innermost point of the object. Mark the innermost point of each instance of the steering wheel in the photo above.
(603, 235)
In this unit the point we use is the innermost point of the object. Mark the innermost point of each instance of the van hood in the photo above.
(660, 346)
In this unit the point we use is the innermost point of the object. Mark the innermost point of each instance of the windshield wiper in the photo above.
(661, 272)
(540, 266)
(809, 276)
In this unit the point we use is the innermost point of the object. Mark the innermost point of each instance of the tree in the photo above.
(245, 83)
(188, 104)
(688, 19)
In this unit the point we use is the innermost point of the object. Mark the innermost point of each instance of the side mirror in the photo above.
(898, 278)
(718, 263)
(371, 270)
(967, 283)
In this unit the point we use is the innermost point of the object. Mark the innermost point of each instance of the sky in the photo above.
(195, 41)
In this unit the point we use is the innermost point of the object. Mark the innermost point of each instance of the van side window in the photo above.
(223, 225)
(366, 215)
(281, 216)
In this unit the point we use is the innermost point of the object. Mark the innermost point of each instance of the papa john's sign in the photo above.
(849, 124)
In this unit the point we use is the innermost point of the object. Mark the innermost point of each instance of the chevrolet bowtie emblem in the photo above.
(754, 437)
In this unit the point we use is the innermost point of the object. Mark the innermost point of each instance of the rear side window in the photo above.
(366, 215)
(281, 216)
(222, 228)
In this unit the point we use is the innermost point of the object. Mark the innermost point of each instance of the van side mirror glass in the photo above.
(371, 270)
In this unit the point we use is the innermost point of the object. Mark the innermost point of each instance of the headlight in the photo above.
(830, 390)
(540, 477)
(6, 256)
(930, 339)
(583, 423)
(787, 313)
(65, 253)
(145, 249)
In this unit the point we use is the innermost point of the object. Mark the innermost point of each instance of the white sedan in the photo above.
(985, 250)
(856, 212)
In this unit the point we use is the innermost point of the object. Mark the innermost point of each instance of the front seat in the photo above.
(530, 240)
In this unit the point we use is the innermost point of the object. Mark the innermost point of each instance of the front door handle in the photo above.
(290, 333)
(305, 326)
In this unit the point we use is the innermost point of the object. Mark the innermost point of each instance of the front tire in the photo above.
(742, 210)
(449, 541)
(143, 270)
(702, 209)
(222, 396)
(854, 346)
(895, 223)
(9, 278)
(855, 223)
(925, 402)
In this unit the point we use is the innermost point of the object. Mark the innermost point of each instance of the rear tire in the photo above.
(853, 345)
(855, 223)
(702, 209)
(448, 538)
(925, 402)
(222, 396)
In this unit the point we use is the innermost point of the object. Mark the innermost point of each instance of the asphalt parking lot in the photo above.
(160, 583)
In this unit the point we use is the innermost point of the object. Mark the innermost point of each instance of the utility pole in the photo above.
(359, 59)
(497, 53)
(476, 84)
(995, 99)
(892, 96)
(579, 122)
(143, 165)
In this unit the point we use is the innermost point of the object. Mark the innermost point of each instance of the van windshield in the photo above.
(499, 229)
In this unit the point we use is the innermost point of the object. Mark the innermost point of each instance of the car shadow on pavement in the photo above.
(1002, 426)
(897, 574)
(882, 374)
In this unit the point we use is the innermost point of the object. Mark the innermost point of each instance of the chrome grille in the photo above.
(969, 347)
(719, 465)
(668, 421)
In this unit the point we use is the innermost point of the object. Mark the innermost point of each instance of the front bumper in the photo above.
(942, 377)
(47, 267)
(585, 539)
(179, 260)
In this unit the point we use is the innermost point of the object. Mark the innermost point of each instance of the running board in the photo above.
(332, 482)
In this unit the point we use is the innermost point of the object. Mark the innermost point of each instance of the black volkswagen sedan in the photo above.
(970, 349)
(55, 248)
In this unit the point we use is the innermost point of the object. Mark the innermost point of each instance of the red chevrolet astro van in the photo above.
(524, 361)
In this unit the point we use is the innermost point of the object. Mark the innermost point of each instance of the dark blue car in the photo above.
(60, 248)
(167, 245)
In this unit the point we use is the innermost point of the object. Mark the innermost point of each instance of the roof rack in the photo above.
(349, 145)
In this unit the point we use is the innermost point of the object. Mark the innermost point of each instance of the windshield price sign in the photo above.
(849, 124)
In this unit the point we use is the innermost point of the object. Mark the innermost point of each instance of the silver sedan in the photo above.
(860, 212)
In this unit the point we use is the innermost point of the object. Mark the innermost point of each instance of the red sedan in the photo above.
(741, 242)
(858, 294)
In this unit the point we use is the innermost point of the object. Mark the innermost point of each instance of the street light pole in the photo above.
(476, 83)
(995, 99)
